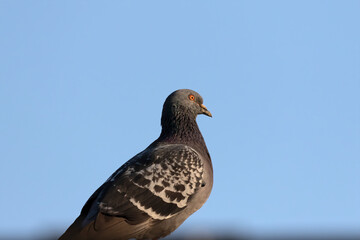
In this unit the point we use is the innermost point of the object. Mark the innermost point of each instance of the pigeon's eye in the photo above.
(192, 97)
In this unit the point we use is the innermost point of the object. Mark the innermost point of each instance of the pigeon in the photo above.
(154, 192)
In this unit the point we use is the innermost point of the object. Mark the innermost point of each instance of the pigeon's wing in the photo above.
(157, 183)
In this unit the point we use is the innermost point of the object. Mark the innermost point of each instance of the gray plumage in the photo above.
(154, 192)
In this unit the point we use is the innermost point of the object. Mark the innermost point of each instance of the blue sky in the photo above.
(82, 85)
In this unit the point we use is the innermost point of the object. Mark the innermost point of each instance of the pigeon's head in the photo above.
(184, 102)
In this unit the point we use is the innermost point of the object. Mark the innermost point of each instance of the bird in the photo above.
(154, 192)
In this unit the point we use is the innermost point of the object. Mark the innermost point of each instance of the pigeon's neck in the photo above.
(182, 129)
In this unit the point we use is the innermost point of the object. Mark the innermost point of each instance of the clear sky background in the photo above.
(82, 85)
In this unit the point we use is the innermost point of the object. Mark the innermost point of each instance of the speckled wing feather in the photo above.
(156, 183)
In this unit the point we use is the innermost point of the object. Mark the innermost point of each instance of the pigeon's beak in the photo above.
(205, 111)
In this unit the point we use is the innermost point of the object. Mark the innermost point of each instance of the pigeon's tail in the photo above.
(73, 231)
(105, 228)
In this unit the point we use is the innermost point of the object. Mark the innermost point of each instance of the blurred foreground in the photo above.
(215, 236)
